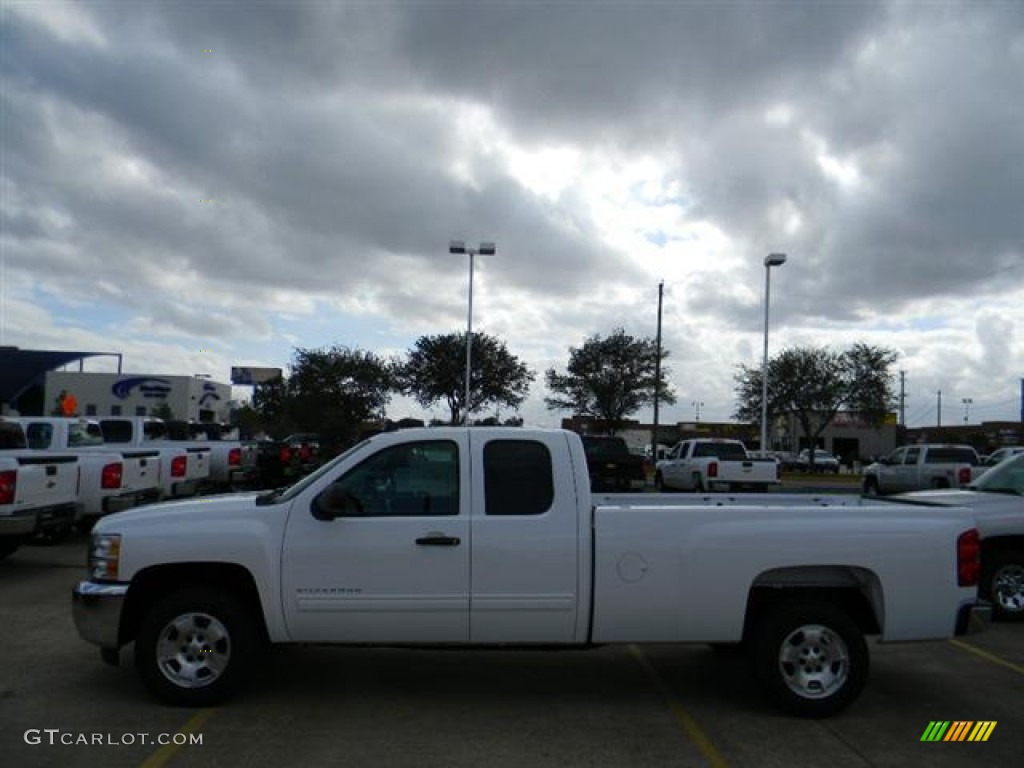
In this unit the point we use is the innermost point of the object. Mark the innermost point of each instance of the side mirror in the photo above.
(331, 503)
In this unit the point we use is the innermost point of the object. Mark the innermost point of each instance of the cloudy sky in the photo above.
(201, 185)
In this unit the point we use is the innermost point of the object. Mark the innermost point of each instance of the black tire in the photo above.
(1004, 582)
(659, 482)
(871, 487)
(86, 524)
(9, 545)
(50, 536)
(194, 647)
(811, 658)
(698, 484)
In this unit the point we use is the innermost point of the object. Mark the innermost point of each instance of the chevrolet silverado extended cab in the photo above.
(37, 491)
(489, 536)
(112, 478)
(713, 464)
(997, 500)
(920, 467)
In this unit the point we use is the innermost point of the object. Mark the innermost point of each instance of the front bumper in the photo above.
(973, 618)
(96, 609)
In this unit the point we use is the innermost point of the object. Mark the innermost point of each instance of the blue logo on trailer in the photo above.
(147, 385)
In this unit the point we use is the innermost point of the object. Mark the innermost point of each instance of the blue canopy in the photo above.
(21, 368)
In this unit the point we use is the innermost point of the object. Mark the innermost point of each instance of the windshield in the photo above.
(294, 490)
(604, 447)
(723, 451)
(1007, 477)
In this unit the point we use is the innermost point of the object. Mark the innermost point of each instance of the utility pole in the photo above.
(939, 422)
(657, 376)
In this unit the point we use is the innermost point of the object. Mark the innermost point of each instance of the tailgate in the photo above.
(749, 471)
(198, 463)
(45, 481)
(250, 455)
(141, 470)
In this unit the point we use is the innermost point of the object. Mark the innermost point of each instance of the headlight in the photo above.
(104, 556)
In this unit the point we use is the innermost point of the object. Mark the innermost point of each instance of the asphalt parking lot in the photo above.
(614, 706)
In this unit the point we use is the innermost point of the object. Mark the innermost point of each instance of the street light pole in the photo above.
(657, 376)
(771, 260)
(484, 249)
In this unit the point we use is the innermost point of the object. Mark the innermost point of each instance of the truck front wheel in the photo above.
(811, 658)
(194, 646)
(1005, 582)
(871, 487)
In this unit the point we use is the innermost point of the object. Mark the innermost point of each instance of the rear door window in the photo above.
(518, 478)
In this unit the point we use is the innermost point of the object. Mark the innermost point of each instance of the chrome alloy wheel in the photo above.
(1008, 588)
(193, 650)
(814, 661)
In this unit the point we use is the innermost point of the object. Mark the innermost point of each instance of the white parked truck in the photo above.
(183, 468)
(112, 477)
(38, 491)
(921, 467)
(715, 464)
(232, 461)
(997, 501)
(489, 536)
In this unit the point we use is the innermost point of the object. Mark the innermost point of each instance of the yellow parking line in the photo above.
(988, 656)
(167, 751)
(693, 731)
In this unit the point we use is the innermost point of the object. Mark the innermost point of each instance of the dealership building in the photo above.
(190, 398)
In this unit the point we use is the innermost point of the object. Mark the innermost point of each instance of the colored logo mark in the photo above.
(958, 730)
(148, 386)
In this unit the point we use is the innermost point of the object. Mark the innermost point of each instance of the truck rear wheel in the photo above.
(194, 646)
(1005, 582)
(9, 545)
(811, 658)
(698, 484)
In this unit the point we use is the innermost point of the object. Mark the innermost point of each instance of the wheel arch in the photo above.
(857, 591)
(153, 583)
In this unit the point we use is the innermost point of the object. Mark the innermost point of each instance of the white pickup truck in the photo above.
(232, 461)
(37, 491)
(997, 500)
(113, 478)
(714, 464)
(183, 468)
(489, 536)
(921, 467)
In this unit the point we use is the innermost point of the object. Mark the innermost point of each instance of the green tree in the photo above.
(815, 383)
(610, 378)
(436, 371)
(328, 391)
(270, 401)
